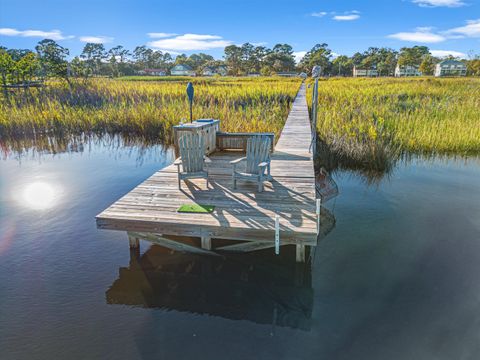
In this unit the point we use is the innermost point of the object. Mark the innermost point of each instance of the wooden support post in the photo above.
(300, 253)
(173, 244)
(134, 242)
(206, 242)
(247, 246)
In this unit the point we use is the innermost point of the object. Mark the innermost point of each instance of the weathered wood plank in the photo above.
(172, 244)
(247, 246)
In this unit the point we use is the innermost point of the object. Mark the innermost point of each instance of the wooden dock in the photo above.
(243, 215)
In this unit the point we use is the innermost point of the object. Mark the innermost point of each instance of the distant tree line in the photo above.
(49, 59)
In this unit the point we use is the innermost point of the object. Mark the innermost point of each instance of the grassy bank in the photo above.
(367, 123)
(147, 109)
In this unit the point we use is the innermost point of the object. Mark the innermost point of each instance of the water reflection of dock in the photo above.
(260, 287)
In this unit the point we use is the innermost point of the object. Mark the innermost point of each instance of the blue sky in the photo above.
(180, 26)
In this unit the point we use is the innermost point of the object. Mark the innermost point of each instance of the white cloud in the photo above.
(424, 28)
(319, 14)
(445, 53)
(428, 35)
(439, 3)
(261, 43)
(96, 39)
(198, 37)
(188, 42)
(346, 17)
(169, 51)
(472, 29)
(421, 35)
(299, 55)
(53, 34)
(160, 35)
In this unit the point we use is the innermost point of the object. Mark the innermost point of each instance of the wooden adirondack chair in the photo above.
(192, 158)
(257, 162)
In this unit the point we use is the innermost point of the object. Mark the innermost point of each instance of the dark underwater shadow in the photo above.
(259, 287)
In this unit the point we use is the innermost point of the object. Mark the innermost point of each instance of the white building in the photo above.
(407, 70)
(208, 71)
(288, 74)
(211, 71)
(222, 70)
(357, 72)
(182, 70)
(450, 68)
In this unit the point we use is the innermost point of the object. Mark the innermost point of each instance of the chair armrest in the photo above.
(207, 159)
(178, 162)
(236, 161)
(263, 164)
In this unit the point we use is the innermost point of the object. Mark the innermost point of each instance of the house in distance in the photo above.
(182, 70)
(362, 72)
(288, 74)
(218, 70)
(407, 70)
(450, 67)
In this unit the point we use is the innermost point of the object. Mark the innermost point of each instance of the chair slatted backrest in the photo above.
(192, 150)
(258, 150)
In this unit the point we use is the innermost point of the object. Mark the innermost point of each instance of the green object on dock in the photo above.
(196, 208)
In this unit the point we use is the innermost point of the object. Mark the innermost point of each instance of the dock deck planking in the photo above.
(240, 214)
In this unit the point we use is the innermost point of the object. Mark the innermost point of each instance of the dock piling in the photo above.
(206, 242)
(133, 241)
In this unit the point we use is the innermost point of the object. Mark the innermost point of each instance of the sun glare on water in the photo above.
(39, 196)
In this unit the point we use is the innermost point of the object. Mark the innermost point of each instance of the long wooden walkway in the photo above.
(242, 214)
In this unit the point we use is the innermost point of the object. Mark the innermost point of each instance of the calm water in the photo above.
(397, 277)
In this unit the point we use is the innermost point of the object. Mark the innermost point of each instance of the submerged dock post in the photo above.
(206, 242)
(133, 241)
(300, 253)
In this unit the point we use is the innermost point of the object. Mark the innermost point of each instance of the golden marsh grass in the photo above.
(147, 109)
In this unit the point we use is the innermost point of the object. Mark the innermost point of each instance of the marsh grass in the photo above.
(369, 124)
(366, 125)
(145, 109)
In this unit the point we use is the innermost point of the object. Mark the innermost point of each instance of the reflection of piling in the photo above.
(134, 256)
